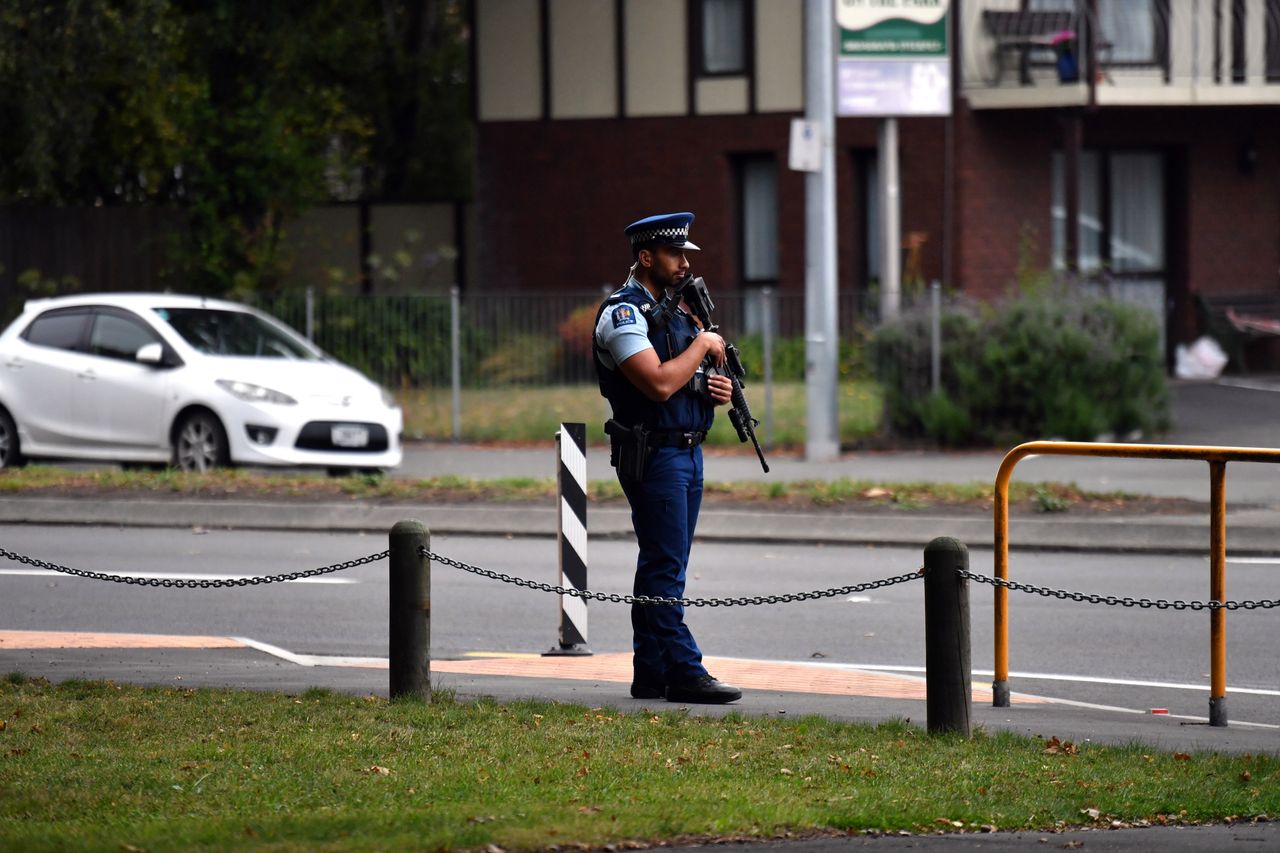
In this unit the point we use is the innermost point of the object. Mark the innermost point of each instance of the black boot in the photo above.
(704, 690)
(647, 690)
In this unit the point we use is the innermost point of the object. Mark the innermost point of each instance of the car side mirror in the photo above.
(152, 354)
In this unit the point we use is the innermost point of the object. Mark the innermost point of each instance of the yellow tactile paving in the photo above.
(613, 667)
(93, 640)
(751, 675)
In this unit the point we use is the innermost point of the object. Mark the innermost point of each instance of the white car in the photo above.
(191, 382)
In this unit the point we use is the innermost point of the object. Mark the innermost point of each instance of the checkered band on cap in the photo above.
(674, 235)
(669, 228)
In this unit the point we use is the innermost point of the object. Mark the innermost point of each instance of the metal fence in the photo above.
(498, 339)
(431, 346)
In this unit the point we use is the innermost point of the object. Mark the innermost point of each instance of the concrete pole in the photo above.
(822, 441)
(890, 223)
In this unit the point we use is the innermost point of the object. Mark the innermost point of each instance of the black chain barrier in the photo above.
(616, 598)
(180, 583)
(1158, 603)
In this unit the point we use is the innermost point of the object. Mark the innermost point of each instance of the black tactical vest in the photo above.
(684, 410)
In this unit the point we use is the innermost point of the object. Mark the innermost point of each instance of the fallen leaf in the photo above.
(877, 492)
(1092, 813)
(785, 772)
(1181, 756)
(381, 771)
(1060, 747)
(1245, 775)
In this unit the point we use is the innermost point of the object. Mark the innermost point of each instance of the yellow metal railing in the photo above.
(1217, 457)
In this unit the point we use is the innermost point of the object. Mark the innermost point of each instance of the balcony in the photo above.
(1119, 53)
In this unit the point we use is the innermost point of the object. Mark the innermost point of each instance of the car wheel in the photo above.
(10, 453)
(200, 443)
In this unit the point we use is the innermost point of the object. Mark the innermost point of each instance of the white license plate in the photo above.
(349, 436)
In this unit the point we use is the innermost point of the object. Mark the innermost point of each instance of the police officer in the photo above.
(649, 356)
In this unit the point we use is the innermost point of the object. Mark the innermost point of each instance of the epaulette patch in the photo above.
(624, 315)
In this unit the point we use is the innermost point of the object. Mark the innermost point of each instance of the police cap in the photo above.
(669, 229)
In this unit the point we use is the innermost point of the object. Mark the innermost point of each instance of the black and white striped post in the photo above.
(571, 481)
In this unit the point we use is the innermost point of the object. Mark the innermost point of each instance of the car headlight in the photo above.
(388, 399)
(251, 393)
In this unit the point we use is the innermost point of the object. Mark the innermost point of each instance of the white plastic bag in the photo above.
(1204, 359)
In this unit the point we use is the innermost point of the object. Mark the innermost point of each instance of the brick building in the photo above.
(592, 113)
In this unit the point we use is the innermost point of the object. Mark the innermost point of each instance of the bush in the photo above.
(520, 360)
(1052, 363)
(789, 357)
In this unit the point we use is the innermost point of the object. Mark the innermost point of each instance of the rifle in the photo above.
(694, 293)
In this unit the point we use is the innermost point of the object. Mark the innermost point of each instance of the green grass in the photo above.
(801, 494)
(534, 413)
(89, 765)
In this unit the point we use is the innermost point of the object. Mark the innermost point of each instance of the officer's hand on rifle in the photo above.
(715, 347)
(719, 388)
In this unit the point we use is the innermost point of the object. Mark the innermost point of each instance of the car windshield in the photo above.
(219, 332)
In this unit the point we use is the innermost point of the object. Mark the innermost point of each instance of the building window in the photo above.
(864, 234)
(1131, 30)
(1273, 41)
(758, 210)
(1121, 212)
(723, 29)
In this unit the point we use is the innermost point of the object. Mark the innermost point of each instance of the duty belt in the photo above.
(675, 438)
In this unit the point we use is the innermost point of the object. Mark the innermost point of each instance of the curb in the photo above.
(1175, 534)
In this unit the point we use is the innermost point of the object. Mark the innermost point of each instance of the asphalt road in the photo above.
(1123, 657)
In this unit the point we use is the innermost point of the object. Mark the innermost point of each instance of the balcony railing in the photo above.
(1028, 53)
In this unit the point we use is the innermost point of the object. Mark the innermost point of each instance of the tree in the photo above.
(238, 114)
(84, 92)
(423, 133)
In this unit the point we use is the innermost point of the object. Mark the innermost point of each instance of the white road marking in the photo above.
(325, 579)
(1045, 676)
(309, 660)
(1255, 561)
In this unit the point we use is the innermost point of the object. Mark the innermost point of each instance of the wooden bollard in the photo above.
(410, 611)
(948, 677)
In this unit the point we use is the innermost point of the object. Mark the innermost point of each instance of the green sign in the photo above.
(901, 29)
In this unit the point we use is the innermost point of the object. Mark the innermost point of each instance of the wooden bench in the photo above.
(1236, 319)
(1023, 33)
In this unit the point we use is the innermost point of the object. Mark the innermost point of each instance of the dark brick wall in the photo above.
(553, 197)
(1003, 196)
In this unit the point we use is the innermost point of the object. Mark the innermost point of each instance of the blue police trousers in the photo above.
(664, 512)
